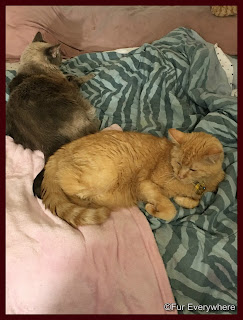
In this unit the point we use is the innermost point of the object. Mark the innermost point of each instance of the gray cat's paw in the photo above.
(71, 77)
(86, 78)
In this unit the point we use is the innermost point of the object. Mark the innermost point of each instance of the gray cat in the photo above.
(46, 109)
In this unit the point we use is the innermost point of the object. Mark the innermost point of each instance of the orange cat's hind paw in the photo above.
(163, 212)
(150, 208)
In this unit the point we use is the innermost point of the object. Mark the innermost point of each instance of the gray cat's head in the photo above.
(41, 52)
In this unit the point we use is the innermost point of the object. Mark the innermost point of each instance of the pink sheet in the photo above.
(83, 29)
(52, 268)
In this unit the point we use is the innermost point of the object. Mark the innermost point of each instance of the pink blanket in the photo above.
(52, 268)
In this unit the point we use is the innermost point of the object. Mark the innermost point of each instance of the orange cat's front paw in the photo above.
(161, 211)
(186, 202)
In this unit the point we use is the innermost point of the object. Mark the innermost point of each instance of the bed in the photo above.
(134, 263)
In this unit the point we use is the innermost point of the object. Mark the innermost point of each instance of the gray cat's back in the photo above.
(46, 109)
(45, 112)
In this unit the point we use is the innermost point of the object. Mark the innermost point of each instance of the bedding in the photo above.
(85, 29)
(52, 268)
(178, 82)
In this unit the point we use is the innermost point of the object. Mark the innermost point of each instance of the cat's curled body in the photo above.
(87, 178)
(46, 109)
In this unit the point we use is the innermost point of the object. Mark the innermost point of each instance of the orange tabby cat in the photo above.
(87, 178)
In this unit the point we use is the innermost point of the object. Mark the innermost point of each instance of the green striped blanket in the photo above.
(177, 82)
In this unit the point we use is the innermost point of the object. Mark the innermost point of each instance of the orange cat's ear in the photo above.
(176, 136)
(213, 154)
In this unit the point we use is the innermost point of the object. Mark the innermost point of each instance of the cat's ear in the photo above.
(213, 154)
(38, 37)
(176, 136)
(53, 51)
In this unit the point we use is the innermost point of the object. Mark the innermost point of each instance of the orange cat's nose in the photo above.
(181, 175)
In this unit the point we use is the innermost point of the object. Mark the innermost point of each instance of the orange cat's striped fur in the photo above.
(87, 178)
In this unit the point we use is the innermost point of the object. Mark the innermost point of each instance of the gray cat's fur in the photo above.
(46, 109)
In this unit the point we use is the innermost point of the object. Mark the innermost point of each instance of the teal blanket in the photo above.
(177, 82)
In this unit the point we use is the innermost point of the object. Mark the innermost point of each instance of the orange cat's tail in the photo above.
(73, 210)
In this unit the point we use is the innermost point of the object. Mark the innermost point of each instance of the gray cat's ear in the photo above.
(176, 136)
(38, 37)
(54, 51)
